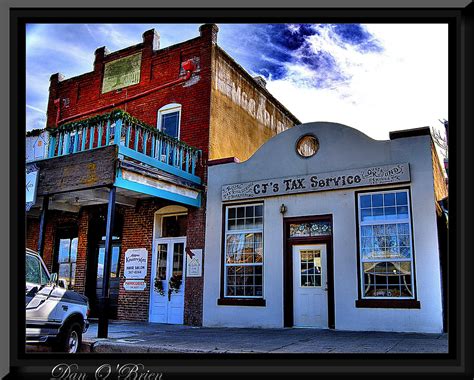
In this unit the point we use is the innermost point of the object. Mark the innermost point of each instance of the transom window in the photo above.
(243, 265)
(386, 254)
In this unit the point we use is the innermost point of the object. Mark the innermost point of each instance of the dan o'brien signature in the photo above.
(127, 371)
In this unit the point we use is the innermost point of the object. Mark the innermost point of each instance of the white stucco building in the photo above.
(325, 227)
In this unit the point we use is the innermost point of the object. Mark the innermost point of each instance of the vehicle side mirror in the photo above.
(54, 279)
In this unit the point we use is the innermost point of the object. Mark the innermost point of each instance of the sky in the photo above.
(373, 77)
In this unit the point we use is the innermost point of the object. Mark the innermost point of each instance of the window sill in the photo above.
(241, 301)
(388, 304)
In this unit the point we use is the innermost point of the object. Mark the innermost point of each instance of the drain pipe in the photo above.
(188, 66)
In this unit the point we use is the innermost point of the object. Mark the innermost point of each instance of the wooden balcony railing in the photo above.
(134, 139)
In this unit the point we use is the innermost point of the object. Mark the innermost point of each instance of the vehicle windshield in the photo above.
(35, 272)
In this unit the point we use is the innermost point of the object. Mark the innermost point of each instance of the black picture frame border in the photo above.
(173, 365)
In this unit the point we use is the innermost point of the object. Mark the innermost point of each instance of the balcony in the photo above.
(115, 149)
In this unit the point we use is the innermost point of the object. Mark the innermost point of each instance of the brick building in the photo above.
(122, 168)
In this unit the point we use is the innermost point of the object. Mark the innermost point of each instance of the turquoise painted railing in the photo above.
(134, 140)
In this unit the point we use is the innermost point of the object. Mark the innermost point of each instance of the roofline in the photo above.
(139, 46)
(258, 85)
(423, 131)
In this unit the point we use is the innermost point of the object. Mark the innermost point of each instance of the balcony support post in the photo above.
(103, 328)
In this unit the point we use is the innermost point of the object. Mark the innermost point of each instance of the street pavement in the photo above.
(142, 337)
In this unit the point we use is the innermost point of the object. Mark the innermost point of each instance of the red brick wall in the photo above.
(32, 233)
(83, 93)
(137, 233)
(82, 243)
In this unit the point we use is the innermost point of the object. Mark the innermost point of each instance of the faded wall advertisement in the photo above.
(242, 93)
(122, 72)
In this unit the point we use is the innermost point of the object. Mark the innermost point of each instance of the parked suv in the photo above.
(54, 315)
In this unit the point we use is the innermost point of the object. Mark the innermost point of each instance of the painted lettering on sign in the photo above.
(136, 261)
(134, 285)
(372, 176)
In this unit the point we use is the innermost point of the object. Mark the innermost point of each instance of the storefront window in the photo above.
(244, 251)
(385, 245)
(67, 255)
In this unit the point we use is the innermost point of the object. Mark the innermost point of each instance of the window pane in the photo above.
(74, 250)
(64, 250)
(402, 212)
(403, 228)
(389, 199)
(161, 261)
(390, 212)
(365, 201)
(377, 200)
(366, 214)
(169, 123)
(402, 198)
(178, 259)
(64, 272)
(366, 231)
(73, 275)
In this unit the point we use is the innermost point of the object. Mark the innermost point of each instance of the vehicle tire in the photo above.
(70, 339)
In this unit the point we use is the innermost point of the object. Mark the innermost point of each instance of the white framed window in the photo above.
(169, 119)
(385, 245)
(243, 252)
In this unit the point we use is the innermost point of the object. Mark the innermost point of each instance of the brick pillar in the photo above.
(137, 232)
(209, 31)
(193, 292)
(32, 233)
(82, 245)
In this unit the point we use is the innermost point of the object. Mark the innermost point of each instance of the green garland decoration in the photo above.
(175, 283)
(159, 286)
(113, 116)
(34, 132)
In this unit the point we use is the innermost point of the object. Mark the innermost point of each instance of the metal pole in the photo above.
(44, 210)
(103, 327)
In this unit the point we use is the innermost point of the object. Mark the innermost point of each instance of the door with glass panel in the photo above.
(167, 285)
(66, 255)
(114, 283)
(310, 286)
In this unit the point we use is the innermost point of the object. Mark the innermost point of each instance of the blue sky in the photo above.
(373, 77)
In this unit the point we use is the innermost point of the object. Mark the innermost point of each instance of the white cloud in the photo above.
(404, 87)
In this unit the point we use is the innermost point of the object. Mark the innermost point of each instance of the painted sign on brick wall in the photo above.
(372, 176)
(122, 72)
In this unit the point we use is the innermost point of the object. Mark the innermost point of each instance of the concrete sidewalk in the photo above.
(140, 337)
